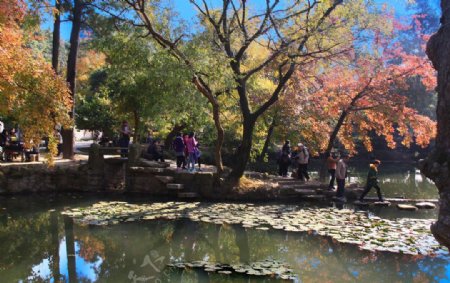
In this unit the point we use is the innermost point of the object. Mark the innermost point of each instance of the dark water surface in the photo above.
(38, 244)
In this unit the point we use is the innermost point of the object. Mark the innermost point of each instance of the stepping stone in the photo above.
(314, 197)
(425, 205)
(155, 164)
(382, 203)
(341, 199)
(329, 193)
(361, 203)
(175, 186)
(305, 192)
(147, 169)
(165, 179)
(187, 195)
(406, 207)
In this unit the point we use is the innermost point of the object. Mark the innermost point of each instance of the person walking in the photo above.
(331, 166)
(124, 141)
(302, 160)
(341, 174)
(284, 159)
(191, 145)
(372, 181)
(179, 146)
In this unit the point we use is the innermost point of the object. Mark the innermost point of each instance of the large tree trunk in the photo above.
(70, 249)
(242, 155)
(68, 134)
(56, 36)
(437, 165)
(172, 134)
(267, 141)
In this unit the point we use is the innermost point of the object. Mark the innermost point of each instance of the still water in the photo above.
(38, 244)
(397, 180)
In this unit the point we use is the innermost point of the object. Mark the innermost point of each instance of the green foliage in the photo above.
(96, 113)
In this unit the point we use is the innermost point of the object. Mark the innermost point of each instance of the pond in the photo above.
(397, 180)
(39, 244)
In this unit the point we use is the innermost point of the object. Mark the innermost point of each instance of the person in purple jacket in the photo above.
(178, 146)
(191, 145)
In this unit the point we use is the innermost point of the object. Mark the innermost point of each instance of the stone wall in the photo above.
(133, 175)
(40, 178)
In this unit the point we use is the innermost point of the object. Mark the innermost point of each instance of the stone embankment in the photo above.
(135, 174)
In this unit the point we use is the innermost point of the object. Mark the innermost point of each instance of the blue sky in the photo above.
(187, 11)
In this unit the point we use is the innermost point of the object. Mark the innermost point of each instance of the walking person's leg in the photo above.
(341, 188)
(305, 172)
(179, 161)
(380, 196)
(300, 172)
(366, 191)
(199, 162)
(333, 177)
(191, 163)
(285, 170)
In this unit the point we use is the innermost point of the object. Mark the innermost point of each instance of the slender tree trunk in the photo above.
(203, 88)
(437, 165)
(68, 134)
(56, 36)
(172, 134)
(267, 141)
(336, 130)
(70, 249)
(137, 125)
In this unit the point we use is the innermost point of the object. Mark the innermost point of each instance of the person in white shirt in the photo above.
(341, 174)
(302, 160)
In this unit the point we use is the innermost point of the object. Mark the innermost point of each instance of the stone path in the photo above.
(314, 190)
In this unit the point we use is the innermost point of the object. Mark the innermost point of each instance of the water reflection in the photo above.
(42, 246)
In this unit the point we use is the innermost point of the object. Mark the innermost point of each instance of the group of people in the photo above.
(338, 168)
(187, 151)
(12, 145)
(298, 158)
(9, 143)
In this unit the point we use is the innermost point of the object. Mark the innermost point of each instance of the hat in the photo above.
(300, 144)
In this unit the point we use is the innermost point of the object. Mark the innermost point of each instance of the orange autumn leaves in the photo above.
(30, 91)
(365, 92)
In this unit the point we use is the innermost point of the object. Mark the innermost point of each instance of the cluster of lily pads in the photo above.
(404, 235)
(260, 268)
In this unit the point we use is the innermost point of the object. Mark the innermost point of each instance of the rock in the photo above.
(175, 186)
(406, 207)
(361, 203)
(425, 205)
(305, 192)
(187, 195)
(165, 179)
(155, 164)
(382, 203)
